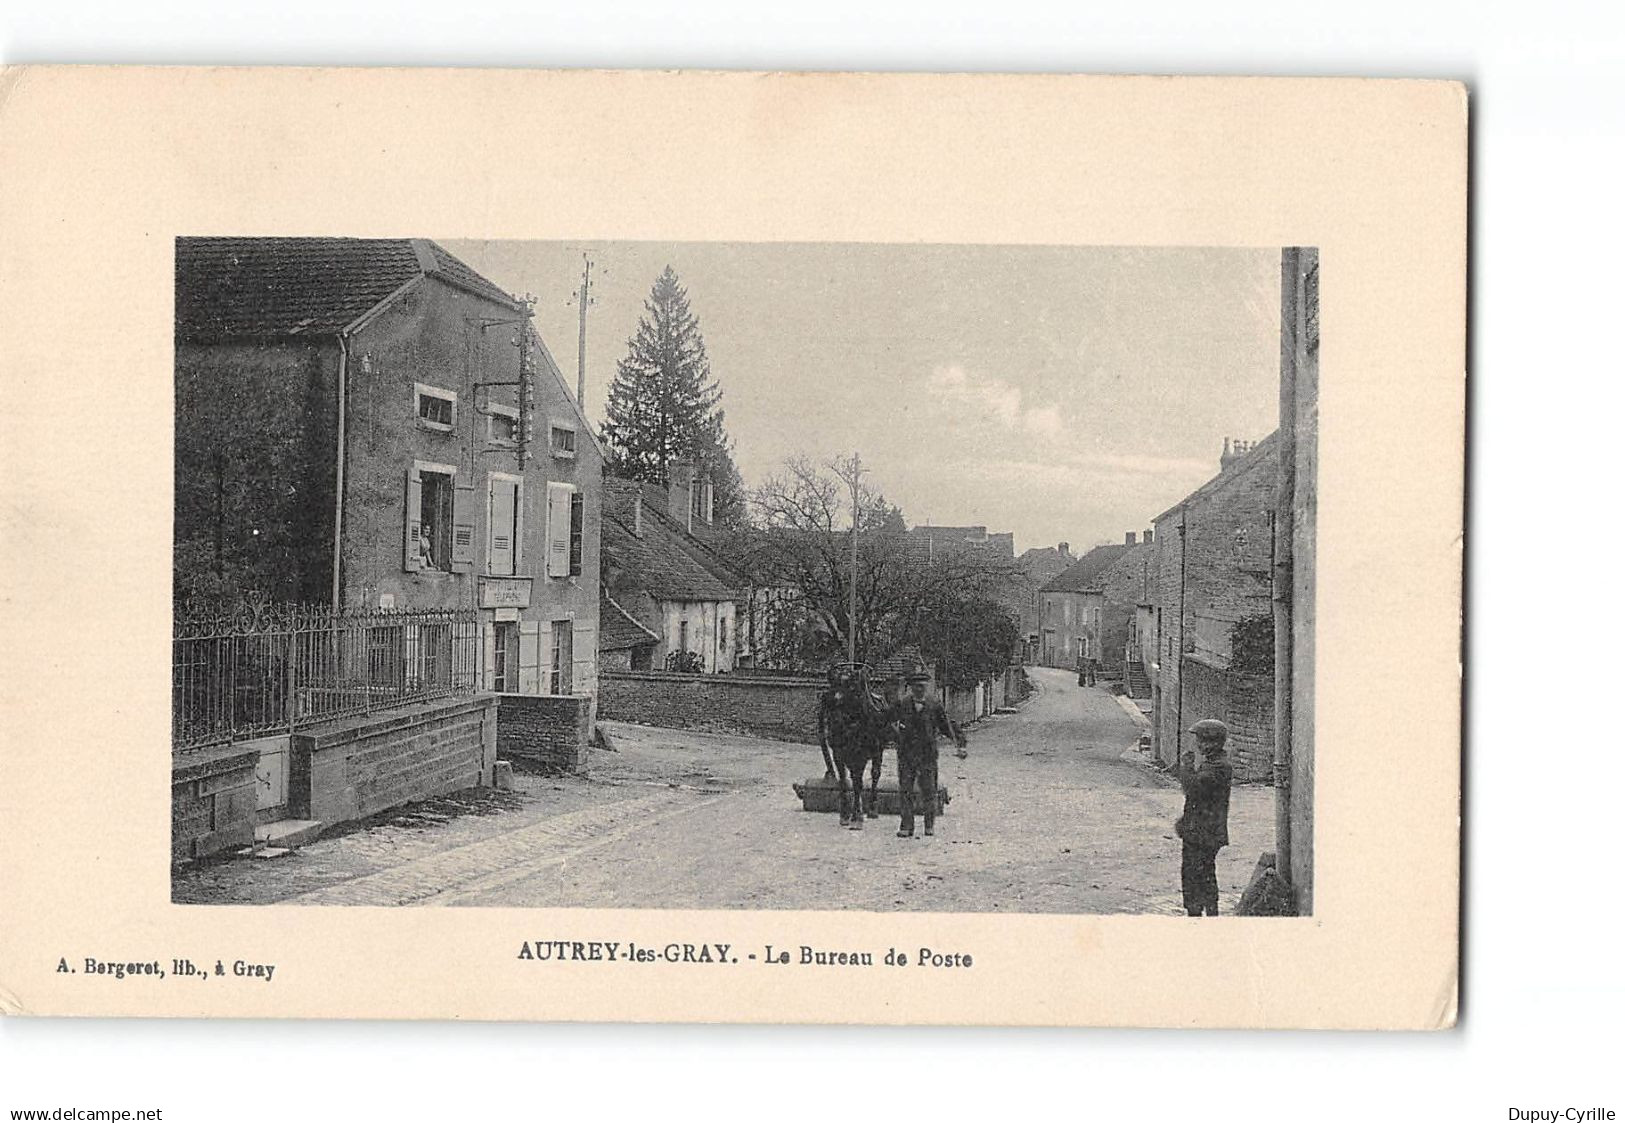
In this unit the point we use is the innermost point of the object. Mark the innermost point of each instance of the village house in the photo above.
(1035, 568)
(1210, 610)
(659, 572)
(1123, 586)
(1073, 607)
(374, 385)
(379, 463)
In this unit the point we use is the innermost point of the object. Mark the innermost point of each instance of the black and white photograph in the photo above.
(739, 575)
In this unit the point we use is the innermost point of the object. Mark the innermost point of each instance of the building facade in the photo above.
(1210, 610)
(1073, 612)
(351, 429)
(661, 572)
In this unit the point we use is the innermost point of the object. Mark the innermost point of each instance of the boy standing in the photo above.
(1204, 826)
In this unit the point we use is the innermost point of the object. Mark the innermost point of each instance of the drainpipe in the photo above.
(338, 466)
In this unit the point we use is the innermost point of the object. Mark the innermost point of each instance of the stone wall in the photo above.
(552, 730)
(211, 801)
(781, 709)
(1210, 569)
(1245, 703)
(354, 768)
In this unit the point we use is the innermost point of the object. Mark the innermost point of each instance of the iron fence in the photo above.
(254, 669)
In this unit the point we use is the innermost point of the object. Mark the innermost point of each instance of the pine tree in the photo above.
(663, 402)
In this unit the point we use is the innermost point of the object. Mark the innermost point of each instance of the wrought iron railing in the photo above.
(254, 669)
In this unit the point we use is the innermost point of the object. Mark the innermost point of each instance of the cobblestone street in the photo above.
(1046, 816)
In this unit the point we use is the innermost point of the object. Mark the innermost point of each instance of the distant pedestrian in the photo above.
(1091, 668)
(918, 719)
(1204, 826)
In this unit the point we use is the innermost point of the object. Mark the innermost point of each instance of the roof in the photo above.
(923, 539)
(1041, 563)
(1085, 574)
(662, 561)
(259, 287)
(1262, 450)
(618, 629)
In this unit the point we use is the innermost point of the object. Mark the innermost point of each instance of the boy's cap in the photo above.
(1210, 727)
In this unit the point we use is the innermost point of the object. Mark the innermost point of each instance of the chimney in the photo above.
(708, 507)
(637, 513)
(680, 492)
(1066, 549)
(1128, 538)
(1148, 537)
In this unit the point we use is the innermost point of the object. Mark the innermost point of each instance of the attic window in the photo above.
(437, 408)
(563, 441)
(502, 424)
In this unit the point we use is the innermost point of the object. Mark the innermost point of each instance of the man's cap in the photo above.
(919, 676)
(1210, 727)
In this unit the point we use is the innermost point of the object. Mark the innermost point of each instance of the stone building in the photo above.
(1035, 568)
(1123, 586)
(660, 571)
(349, 432)
(1073, 609)
(1210, 610)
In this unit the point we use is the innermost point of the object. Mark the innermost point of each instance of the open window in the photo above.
(439, 532)
(436, 408)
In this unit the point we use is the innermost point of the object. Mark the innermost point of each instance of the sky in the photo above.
(1061, 393)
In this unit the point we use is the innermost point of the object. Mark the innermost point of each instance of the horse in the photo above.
(852, 732)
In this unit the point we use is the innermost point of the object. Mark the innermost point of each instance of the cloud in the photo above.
(997, 399)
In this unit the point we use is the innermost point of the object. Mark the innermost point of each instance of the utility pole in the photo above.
(853, 472)
(583, 298)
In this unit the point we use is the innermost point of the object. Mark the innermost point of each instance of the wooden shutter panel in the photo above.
(462, 529)
(414, 520)
(504, 494)
(558, 531)
(577, 509)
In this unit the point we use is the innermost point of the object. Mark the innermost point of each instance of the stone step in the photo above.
(287, 834)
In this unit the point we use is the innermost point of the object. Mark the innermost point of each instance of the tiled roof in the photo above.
(703, 550)
(1263, 449)
(618, 629)
(660, 562)
(1085, 574)
(258, 287)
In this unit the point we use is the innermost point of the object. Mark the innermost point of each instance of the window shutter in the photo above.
(414, 520)
(500, 555)
(462, 530)
(558, 531)
(577, 507)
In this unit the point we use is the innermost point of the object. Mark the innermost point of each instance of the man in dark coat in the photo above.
(918, 720)
(1204, 826)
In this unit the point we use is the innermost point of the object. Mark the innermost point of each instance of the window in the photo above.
(505, 659)
(439, 530)
(435, 514)
(504, 524)
(722, 633)
(437, 408)
(558, 676)
(563, 441)
(502, 424)
(564, 525)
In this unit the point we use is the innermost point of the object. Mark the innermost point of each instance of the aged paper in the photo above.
(106, 168)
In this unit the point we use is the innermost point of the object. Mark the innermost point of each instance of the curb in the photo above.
(1133, 711)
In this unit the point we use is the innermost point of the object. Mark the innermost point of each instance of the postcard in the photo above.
(631, 546)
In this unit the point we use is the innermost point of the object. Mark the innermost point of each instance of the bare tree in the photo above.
(798, 556)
